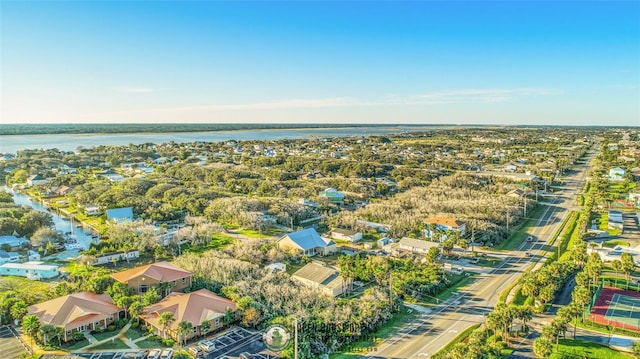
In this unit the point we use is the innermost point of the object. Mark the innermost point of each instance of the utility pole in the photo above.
(295, 338)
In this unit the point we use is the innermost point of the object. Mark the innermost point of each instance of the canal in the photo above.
(83, 236)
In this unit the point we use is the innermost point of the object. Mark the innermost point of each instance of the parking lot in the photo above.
(11, 346)
(128, 354)
(236, 343)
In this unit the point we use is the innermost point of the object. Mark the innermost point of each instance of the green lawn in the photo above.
(24, 285)
(132, 334)
(570, 348)
(105, 335)
(616, 242)
(521, 299)
(457, 282)
(357, 349)
(520, 234)
(115, 344)
(76, 346)
(271, 232)
(604, 225)
(458, 339)
(149, 344)
(489, 262)
(219, 241)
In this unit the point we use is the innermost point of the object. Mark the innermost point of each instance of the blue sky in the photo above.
(507, 62)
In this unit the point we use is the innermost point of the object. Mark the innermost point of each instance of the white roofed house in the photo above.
(417, 246)
(345, 235)
(307, 242)
(31, 270)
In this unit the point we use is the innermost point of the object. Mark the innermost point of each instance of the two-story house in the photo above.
(168, 277)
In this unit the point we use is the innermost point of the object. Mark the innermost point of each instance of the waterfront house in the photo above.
(169, 277)
(79, 312)
(33, 255)
(195, 307)
(35, 179)
(30, 270)
(14, 242)
(8, 257)
(307, 242)
(62, 190)
(120, 215)
(108, 258)
(91, 210)
(323, 277)
(345, 235)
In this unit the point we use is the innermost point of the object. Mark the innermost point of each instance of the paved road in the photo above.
(430, 332)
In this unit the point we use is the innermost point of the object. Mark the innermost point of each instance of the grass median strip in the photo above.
(368, 343)
(458, 339)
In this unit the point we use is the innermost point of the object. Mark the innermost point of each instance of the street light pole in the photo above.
(295, 338)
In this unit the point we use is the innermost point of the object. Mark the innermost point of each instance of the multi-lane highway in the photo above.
(432, 331)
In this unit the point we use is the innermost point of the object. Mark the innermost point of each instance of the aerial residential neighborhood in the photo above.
(139, 272)
(319, 179)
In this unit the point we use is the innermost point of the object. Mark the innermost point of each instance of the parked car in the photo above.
(167, 354)
(475, 260)
(196, 351)
(206, 345)
(154, 354)
(528, 254)
(141, 354)
(530, 239)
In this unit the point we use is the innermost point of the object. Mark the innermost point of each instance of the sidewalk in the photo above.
(93, 342)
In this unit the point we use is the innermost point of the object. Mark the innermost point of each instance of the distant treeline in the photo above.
(52, 129)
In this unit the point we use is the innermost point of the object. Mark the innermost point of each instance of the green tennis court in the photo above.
(624, 309)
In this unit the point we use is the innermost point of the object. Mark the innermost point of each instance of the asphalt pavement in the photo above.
(432, 331)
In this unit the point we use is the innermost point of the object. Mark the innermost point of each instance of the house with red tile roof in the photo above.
(80, 312)
(443, 225)
(195, 307)
(140, 279)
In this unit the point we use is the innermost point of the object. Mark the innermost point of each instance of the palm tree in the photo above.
(18, 310)
(31, 325)
(204, 327)
(166, 319)
(48, 333)
(617, 266)
(229, 316)
(525, 313)
(628, 265)
(542, 347)
(184, 328)
(135, 309)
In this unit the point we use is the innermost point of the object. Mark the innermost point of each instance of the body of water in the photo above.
(12, 144)
(83, 236)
